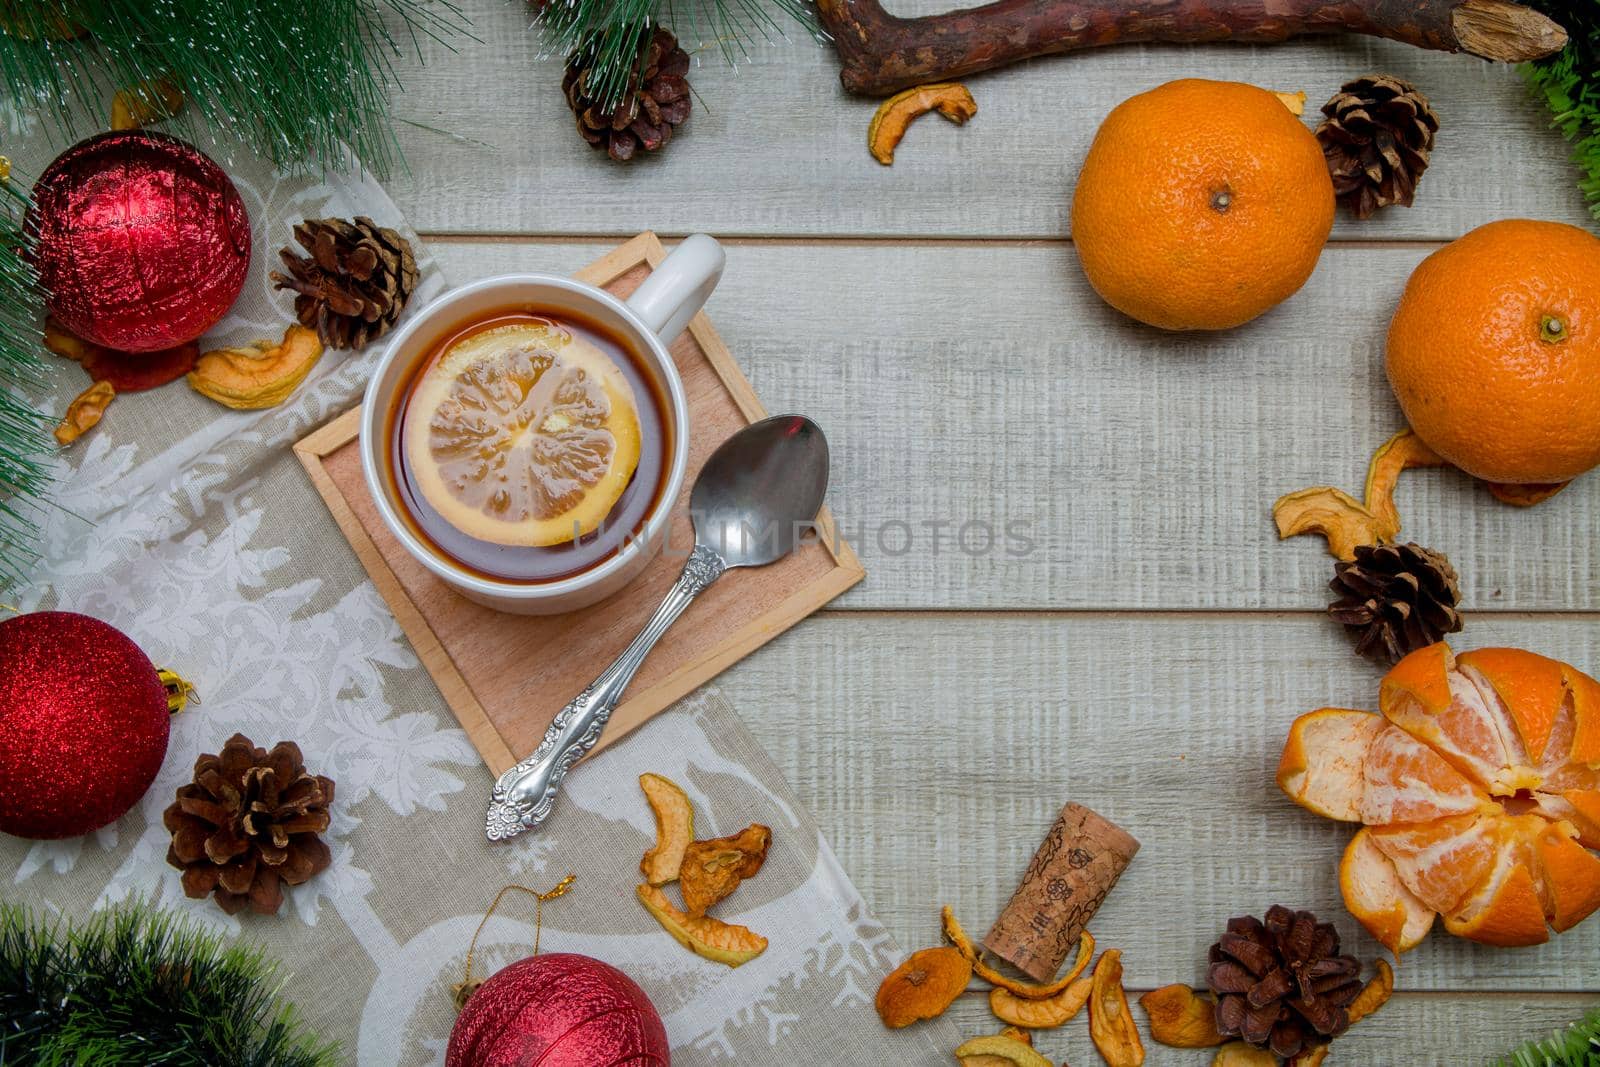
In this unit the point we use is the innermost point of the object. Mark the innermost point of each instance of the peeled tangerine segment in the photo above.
(710, 938)
(1405, 781)
(674, 828)
(1473, 730)
(1440, 861)
(1571, 876)
(522, 434)
(1530, 686)
(1505, 907)
(1322, 760)
(1374, 894)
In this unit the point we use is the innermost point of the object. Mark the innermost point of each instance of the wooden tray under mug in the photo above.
(506, 676)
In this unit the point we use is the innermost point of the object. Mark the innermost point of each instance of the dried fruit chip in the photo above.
(1239, 1054)
(894, 115)
(674, 828)
(710, 938)
(1018, 1034)
(144, 103)
(922, 987)
(128, 372)
(957, 936)
(1295, 102)
(84, 413)
(1005, 1049)
(713, 869)
(1309, 1057)
(1399, 453)
(1338, 517)
(1334, 514)
(1111, 1024)
(259, 375)
(1374, 995)
(1525, 496)
(1180, 1017)
(1040, 1014)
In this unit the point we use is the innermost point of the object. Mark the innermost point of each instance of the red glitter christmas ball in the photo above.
(83, 724)
(559, 1010)
(143, 241)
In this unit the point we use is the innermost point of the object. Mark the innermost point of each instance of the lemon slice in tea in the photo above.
(522, 434)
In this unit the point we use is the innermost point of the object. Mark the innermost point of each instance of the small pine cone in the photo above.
(1376, 138)
(648, 111)
(248, 824)
(355, 283)
(1282, 984)
(1395, 599)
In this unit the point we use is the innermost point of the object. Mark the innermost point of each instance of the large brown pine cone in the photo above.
(1395, 599)
(355, 283)
(1376, 138)
(248, 825)
(654, 105)
(1282, 984)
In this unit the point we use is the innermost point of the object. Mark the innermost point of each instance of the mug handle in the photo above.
(677, 290)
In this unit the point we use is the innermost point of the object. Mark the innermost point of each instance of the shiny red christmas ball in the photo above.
(559, 1010)
(83, 724)
(143, 241)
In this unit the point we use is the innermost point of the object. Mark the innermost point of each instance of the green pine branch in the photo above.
(1576, 1046)
(1569, 84)
(25, 444)
(613, 33)
(295, 80)
(136, 986)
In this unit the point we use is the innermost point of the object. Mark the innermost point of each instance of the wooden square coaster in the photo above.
(506, 676)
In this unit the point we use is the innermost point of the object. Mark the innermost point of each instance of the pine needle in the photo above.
(25, 444)
(296, 80)
(1569, 84)
(135, 986)
(614, 33)
(1576, 1046)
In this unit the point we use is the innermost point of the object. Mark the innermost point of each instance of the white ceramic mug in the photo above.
(647, 322)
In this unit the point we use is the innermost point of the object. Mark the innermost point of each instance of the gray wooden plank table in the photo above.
(1135, 638)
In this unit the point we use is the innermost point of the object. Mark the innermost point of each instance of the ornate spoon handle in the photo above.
(524, 795)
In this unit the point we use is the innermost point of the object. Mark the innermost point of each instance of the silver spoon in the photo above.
(754, 499)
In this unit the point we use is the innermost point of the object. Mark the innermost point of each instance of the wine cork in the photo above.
(1078, 862)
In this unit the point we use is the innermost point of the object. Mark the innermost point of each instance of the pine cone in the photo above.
(355, 283)
(248, 824)
(1282, 984)
(655, 104)
(1376, 138)
(1396, 599)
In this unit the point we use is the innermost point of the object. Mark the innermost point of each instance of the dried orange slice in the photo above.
(522, 434)
(1378, 899)
(706, 937)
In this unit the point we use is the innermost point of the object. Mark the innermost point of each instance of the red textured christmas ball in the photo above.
(559, 1010)
(143, 241)
(83, 724)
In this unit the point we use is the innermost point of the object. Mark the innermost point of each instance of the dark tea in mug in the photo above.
(528, 446)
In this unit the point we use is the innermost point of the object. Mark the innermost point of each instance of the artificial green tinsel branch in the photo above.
(136, 986)
(1569, 84)
(614, 33)
(1576, 1046)
(296, 80)
(25, 445)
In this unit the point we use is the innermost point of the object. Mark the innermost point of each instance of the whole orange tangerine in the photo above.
(1494, 352)
(1200, 205)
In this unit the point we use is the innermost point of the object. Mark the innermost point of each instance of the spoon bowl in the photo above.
(761, 490)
